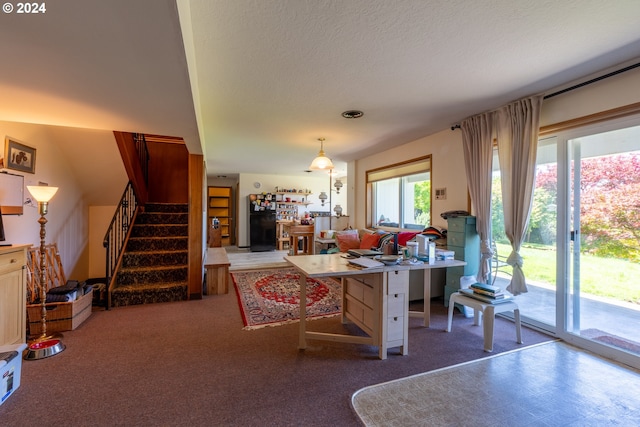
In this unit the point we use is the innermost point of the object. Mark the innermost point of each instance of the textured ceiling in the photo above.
(273, 76)
(252, 84)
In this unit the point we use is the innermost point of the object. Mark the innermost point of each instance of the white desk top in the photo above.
(336, 265)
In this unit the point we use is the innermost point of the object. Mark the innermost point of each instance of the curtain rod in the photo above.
(596, 79)
(579, 85)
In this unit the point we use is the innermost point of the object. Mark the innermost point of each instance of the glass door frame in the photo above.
(564, 246)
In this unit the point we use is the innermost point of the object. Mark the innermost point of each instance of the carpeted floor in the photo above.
(551, 384)
(272, 297)
(190, 364)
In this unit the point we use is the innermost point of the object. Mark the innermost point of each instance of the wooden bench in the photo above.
(217, 267)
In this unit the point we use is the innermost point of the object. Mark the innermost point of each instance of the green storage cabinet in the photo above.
(463, 239)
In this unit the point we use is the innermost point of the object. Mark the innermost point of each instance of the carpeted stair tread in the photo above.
(147, 286)
(159, 230)
(163, 218)
(139, 269)
(166, 207)
(149, 293)
(137, 244)
(155, 258)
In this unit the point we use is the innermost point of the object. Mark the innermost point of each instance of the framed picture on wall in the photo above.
(18, 156)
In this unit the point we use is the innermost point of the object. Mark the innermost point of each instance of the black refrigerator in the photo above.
(262, 222)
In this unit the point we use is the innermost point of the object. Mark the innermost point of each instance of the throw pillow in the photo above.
(347, 239)
(369, 241)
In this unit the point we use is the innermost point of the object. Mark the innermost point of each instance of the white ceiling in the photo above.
(269, 77)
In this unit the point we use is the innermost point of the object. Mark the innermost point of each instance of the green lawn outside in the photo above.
(606, 277)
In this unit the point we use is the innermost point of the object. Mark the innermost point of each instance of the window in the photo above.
(401, 195)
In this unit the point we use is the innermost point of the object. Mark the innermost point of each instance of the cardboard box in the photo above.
(10, 369)
(61, 316)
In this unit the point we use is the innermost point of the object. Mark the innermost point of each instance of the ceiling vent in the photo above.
(352, 114)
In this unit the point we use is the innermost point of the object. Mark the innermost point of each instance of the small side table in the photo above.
(489, 312)
(304, 232)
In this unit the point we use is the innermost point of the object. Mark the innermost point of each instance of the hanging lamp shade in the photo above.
(321, 162)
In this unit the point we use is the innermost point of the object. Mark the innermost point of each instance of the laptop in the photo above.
(363, 252)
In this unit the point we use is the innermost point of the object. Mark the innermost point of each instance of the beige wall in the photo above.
(81, 163)
(446, 146)
(67, 219)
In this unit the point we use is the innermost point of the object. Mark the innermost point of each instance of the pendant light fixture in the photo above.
(321, 162)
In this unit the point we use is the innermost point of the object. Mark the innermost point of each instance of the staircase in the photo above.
(155, 261)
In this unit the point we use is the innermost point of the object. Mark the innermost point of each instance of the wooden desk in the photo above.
(217, 267)
(304, 232)
(375, 299)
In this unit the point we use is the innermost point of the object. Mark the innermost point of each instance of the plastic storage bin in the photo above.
(10, 369)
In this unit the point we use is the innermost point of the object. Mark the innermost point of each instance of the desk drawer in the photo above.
(398, 282)
(12, 260)
(395, 304)
(395, 328)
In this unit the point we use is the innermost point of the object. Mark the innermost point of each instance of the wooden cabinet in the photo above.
(13, 298)
(219, 206)
(463, 239)
(377, 303)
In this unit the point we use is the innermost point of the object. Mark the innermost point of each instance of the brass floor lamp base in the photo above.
(44, 347)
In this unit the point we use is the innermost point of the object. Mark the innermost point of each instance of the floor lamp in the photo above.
(44, 345)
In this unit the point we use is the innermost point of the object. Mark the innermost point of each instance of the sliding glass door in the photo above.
(601, 293)
(582, 248)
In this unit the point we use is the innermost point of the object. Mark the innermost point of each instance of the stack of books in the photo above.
(487, 293)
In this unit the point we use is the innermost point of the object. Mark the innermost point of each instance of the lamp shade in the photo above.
(42, 193)
(321, 162)
(338, 185)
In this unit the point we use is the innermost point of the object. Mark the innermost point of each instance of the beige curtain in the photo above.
(477, 140)
(517, 133)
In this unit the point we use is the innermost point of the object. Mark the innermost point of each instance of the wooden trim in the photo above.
(163, 139)
(614, 113)
(132, 165)
(196, 239)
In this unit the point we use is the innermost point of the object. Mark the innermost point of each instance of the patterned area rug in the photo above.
(272, 297)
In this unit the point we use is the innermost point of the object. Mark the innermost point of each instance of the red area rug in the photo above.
(272, 297)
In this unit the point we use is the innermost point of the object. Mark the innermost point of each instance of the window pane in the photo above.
(403, 202)
(387, 202)
(416, 201)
